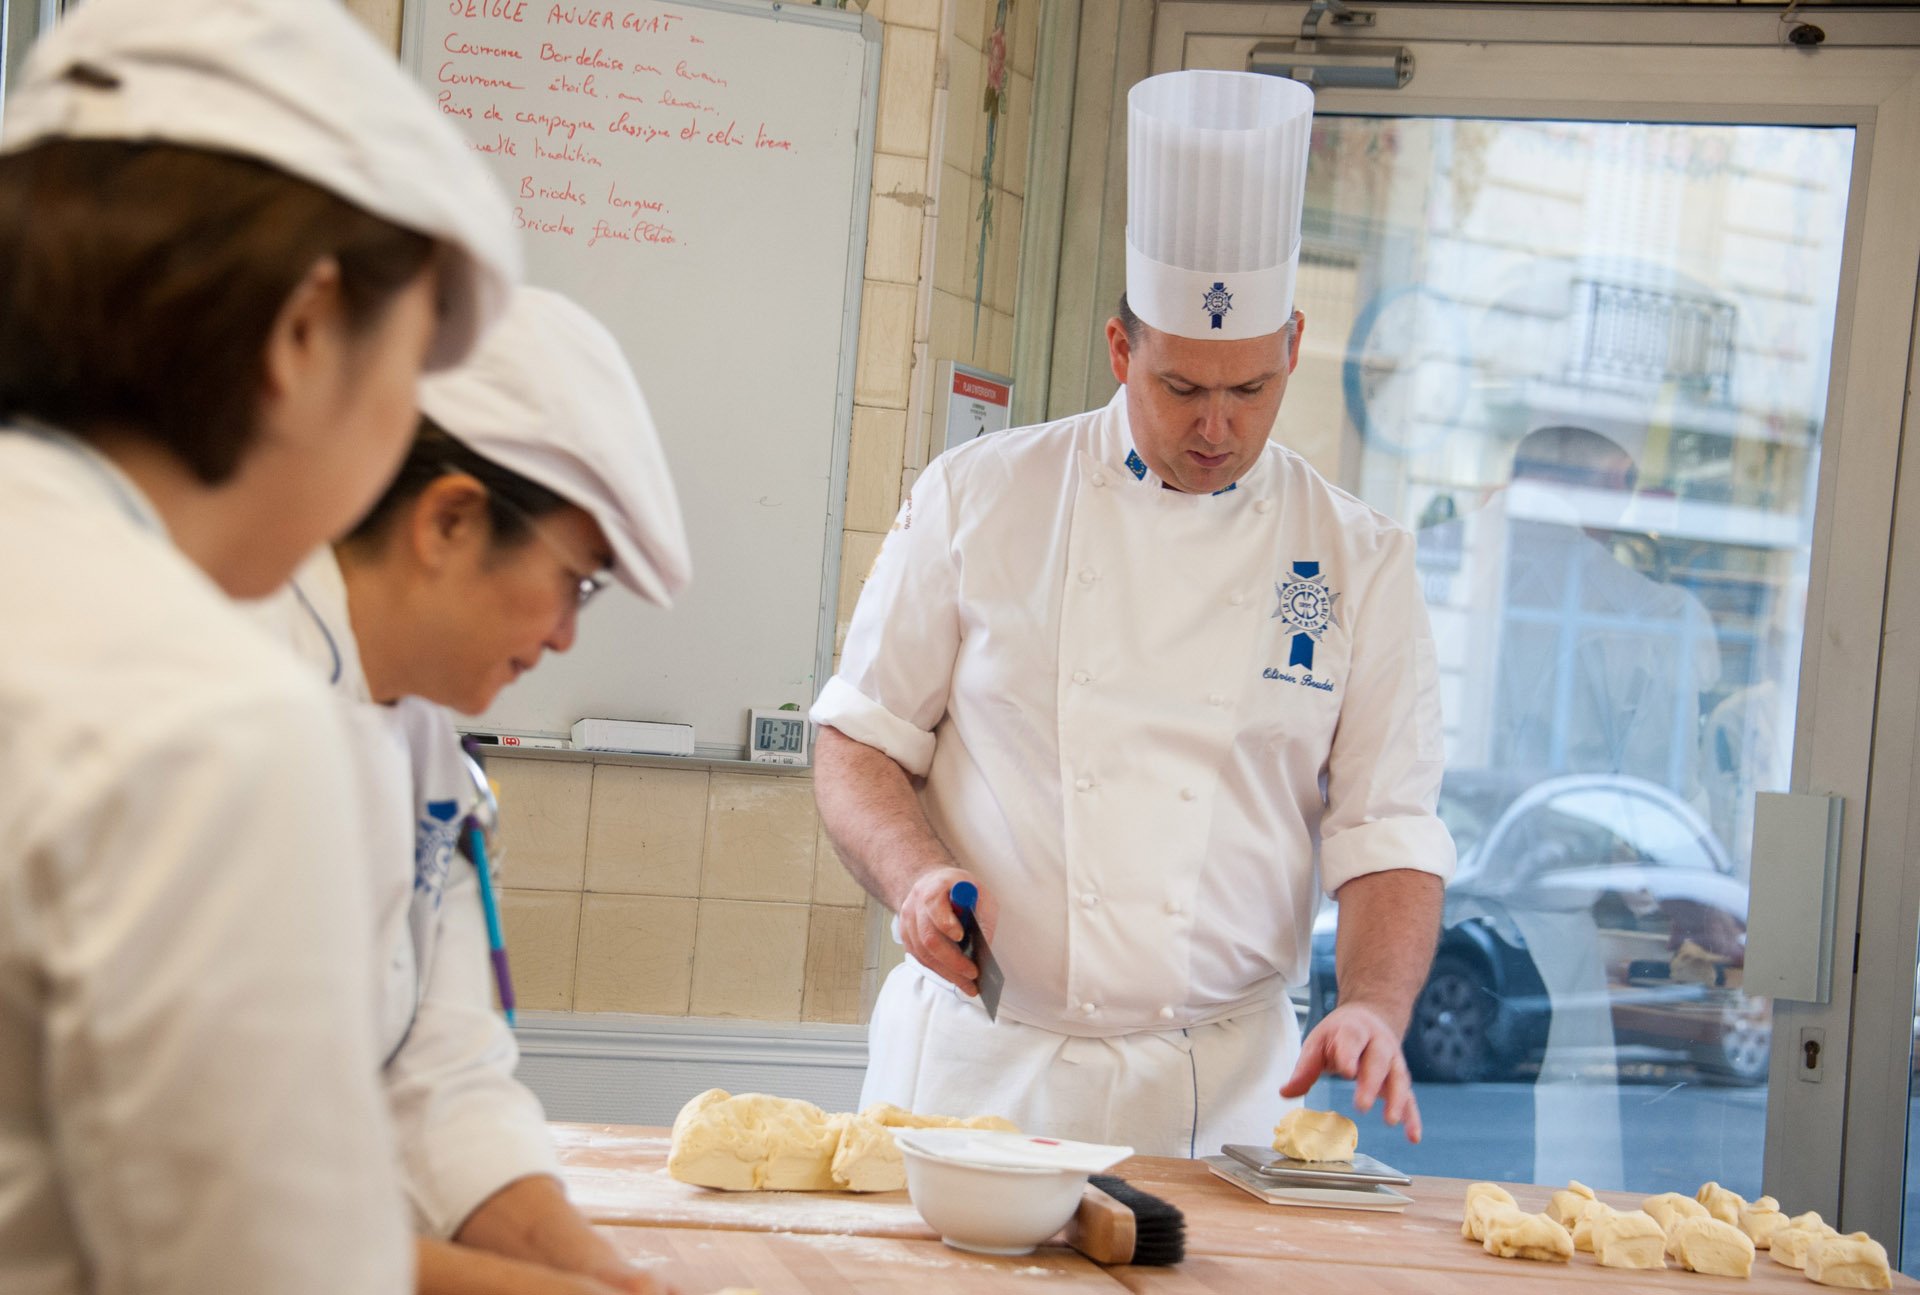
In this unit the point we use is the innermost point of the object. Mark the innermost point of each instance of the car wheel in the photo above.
(1745, 1047)
(1450, 1040)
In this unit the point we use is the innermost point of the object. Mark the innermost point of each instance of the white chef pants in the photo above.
(1162, 1092)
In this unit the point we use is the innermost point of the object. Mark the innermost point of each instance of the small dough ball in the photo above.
(1629, 1239)
(1513, 1235)
(1706, 1245)
(867, 1160)
(1482, 1198)
(1760, 1220)
(1792, 1241)
(1668, 1208)
(1316, 1135)
(1856, 1262)
(1567, 1203)
(1589, 1217)
(1722, 1204)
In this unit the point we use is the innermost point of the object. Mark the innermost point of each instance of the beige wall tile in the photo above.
(885, 359)
(873, 468)
(832, 883)
(953, 337)
(858, 549)
(953, 234)
(1023, 35)
(1016, 137)
(636, 955)
(749, 960)
(924, 14)
(966, 123)
(760, 838)
(971, 19)
(906, 92)
(898, 210)
(878, 8)
(542, 929)
(836, 962)
(381, 17)
(1003, 262)
(999, 334)
(543, 821)
(646, 830)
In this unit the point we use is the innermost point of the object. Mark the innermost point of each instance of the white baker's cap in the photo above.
(1216, 174)
(548, 394)
(298, 85)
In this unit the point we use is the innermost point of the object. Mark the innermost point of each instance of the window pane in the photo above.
(1588, 364)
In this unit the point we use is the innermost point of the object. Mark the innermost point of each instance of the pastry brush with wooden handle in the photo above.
(1117, 1223)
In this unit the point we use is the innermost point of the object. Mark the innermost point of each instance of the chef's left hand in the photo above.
(1358, 1043)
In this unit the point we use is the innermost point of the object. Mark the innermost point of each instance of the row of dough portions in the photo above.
(1715, 1231)
(754, 1142)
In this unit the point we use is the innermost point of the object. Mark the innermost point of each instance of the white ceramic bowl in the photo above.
(987, 1209)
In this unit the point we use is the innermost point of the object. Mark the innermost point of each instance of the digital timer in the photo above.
(777, 737)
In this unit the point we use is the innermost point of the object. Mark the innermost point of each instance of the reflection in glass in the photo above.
(1588, 364)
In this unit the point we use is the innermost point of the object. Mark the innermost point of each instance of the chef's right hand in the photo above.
(931, 931)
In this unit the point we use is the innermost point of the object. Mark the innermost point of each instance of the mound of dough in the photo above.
(1513, 1235)
(753, 1142)
(1668, 1208)
(1706, 1245)
(1794, 1238)
(1566, 1205)
(1632, 1239)
(1589, 1218)
(1856, 1262)
(1721, 1203)
(887, 1115)
(1483, 1199)
(1760, 1220)
(866, 1159)
(1302, 1134)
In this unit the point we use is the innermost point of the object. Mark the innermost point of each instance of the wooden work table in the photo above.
(781, 1242)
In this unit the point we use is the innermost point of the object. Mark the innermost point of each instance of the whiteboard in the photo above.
(696, 175)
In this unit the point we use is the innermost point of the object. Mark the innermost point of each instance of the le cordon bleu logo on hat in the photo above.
(1217, 169)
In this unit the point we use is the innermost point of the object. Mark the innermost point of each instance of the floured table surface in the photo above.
(618, 1175)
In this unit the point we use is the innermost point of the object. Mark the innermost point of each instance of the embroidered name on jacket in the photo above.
(1309, 608)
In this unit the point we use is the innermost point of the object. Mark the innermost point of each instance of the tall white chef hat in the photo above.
(1216, 174)
(298, 85)
(549, 394)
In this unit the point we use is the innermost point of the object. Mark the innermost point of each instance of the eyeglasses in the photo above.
(585, 587)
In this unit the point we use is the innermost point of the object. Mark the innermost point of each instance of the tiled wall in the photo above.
(675, 892)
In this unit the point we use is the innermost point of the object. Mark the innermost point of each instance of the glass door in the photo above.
(1584, 317)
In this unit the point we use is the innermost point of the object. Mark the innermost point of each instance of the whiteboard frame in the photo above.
(413, 19)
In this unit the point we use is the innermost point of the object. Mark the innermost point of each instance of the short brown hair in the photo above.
(139, 283)
(435, 453)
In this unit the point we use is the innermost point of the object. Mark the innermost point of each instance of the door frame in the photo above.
(1827, 1142)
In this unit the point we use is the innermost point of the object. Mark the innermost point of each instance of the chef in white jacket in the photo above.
(231, 231)
(536, 476)
(1152, 684)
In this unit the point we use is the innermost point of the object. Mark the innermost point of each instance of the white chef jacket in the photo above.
(466, 1126)
(1147, 719)
(186, 1094)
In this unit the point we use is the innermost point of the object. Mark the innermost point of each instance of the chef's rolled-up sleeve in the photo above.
(896, 669)
(1383, 774)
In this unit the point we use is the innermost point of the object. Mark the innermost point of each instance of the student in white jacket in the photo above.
(535, 477)
(231, 232)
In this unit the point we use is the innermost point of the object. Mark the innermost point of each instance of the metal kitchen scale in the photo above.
(1358, 1184)
(1362, 1171)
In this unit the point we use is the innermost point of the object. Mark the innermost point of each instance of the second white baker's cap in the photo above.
(298, 85)
(1216, 175)
(549, 394)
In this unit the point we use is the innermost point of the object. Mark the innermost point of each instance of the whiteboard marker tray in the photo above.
(1373, 1197)
(1361, 1171)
